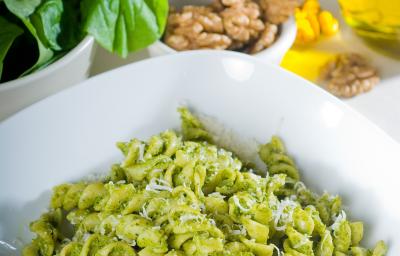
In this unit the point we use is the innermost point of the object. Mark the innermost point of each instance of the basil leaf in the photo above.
(8, 33)
(54, 58)
(45, 54)
(123, 26)
(22, 9)
(46, 20)
(161, 9)
(71, 26)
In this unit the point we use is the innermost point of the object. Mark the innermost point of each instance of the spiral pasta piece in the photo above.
(325, 246)
(328, 207)
(357, 232)
(47, 233)
(298, 242)
(274, 156)
(192, 128)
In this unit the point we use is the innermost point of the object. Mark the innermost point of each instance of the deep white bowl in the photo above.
(73, 133)
(273, 54)
(70, 69)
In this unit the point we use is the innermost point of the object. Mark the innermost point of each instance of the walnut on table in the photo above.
(278, 11)
(349, 75)
(196, 27)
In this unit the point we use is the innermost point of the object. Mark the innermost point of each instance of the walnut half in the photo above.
(349, 75)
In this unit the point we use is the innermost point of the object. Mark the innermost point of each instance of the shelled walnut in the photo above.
(278, 11)
(349, 75)
(266, 39)
(242, 21)
(196, 27)
(226, 24)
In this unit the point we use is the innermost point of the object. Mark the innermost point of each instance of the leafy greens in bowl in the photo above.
(36, 33)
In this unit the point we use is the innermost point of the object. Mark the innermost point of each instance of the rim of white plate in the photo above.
(221, 53)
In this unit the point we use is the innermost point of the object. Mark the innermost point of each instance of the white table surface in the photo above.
(381, 105)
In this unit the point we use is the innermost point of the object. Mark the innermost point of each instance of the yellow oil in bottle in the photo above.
(376, 21)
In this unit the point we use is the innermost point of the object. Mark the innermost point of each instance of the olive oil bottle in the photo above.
(376, 21)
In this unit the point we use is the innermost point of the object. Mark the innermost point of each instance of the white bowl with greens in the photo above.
(48, 45)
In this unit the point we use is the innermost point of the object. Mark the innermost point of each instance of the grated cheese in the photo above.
(237, 203)
(304, 241)
(337, 221)
(217, 195)
(157, 185)
(280, 215)
(278, 251)
(188, 217)
(143, 213)
(95, 177)
(85, 236)
(240, 231)
(141, 152)
(129, 241)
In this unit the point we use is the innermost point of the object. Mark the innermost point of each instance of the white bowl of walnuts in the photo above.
(262, 28)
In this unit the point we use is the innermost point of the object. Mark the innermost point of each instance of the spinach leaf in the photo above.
(8, 33)
(46, 20)
(123, 26)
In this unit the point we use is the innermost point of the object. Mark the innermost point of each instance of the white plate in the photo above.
(73, 133)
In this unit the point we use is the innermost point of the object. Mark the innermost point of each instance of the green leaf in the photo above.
(71, 25)
(46, 20)
(161, 8)
(56, 56)
(45, 54)
(8, 33)
(22, 8)
(123, 26)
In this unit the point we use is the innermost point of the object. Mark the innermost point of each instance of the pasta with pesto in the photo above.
(178, 194)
